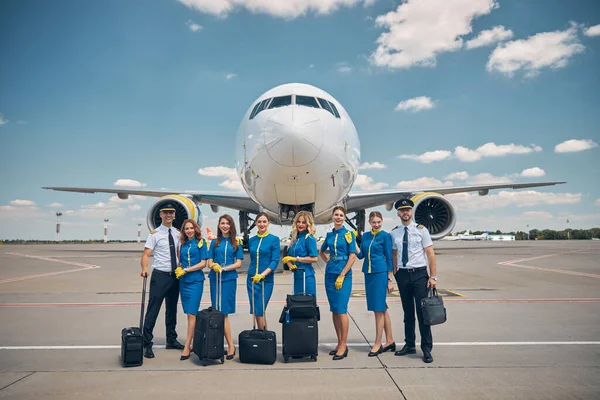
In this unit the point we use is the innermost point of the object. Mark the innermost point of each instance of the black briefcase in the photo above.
(434, 312)
(132, 340)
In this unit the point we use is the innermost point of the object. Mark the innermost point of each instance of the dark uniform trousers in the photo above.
(413, 288)
(163, 286)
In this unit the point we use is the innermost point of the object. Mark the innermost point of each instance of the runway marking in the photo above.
(242, 303)
(360, 344)
(56, 260)
(516, 264)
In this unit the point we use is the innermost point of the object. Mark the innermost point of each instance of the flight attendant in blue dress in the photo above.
(264, 256)
(224, 258)
(376, 250)
(303, 253)
(192, 255)
(338, 277)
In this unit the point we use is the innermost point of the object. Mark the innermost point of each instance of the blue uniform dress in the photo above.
(224, 254)
(264, 253)
(191, 285)
(304, 246)
(339, 250)
(376, 249)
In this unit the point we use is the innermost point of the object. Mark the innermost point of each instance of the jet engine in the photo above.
(185, 208)
(435, 212)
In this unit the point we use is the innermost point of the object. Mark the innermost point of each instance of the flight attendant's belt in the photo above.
(338, 258)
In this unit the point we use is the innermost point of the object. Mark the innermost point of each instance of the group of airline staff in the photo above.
(379, 249)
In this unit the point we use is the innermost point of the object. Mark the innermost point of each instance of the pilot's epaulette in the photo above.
(153, 232)
(420, 226)
(396, 227)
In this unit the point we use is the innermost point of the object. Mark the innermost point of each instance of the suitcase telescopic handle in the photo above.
(263, 306)
(304, 279)
(143, 303)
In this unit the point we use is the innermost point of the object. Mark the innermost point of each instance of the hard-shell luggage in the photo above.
(258, 346)
(132, 340)
(209, 332)
(299, 326)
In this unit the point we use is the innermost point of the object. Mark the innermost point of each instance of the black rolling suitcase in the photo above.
(258, 346)
(299, 326)
(132, 339)
(209, 332)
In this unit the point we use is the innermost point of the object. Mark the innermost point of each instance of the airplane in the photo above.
(298, 149)
(467, 236)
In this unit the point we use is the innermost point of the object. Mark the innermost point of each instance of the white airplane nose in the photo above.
(293, 136)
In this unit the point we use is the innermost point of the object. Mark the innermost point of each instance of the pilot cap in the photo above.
(404, 203)
(167, 207)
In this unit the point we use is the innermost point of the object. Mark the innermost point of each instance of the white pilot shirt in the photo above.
(418, 240)
(158, 242)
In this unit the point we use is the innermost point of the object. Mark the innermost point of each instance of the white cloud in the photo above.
(415, 104)
(27, 203)
(194, 27)
(2, 120)
(542, 50)
(135, 207)
(232, 181)
(343, 67)
(574, 145)
(128, 183)
(534, 172)
(130, 199)
(418, 31)
(229, 76)
(520, 198)
(487, 178)
(592, 31)
(288, 9)
(55, 205)
(597, 202)
(365, 182)
(461, 176)
(428, 157)
(374, 165)
(490, 36)
(20, 212)
(537, 215)
(100, 205)
(492, 150)
(422, 183)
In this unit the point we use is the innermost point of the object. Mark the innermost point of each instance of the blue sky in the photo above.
(96, 92)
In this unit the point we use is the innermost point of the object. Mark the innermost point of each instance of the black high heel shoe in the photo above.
(376, 353)
(183, 358)
(336, 357)
(332, 352)
(391, 347)
(230, 357)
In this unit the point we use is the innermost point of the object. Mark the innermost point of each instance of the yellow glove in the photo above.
(348, 237)
(257, 278)
(339, 282)
(179, 272)
(288, 259)
(293, 267)
(217, 268)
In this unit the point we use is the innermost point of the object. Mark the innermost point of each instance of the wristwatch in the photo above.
(433, 277)
(390, 280)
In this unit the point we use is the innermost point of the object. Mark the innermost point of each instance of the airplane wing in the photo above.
(364, 200)
(241, 202)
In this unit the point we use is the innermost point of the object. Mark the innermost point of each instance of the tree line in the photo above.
(550, 234)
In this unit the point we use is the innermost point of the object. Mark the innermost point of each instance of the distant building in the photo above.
(495, 237)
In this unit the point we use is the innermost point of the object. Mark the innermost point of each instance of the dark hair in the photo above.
(183, 236)
(261, 214)
(375, 214)
(338, 208)
(232, 232)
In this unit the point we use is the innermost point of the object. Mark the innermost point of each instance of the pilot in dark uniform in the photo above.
(163, 243)
(412, 251)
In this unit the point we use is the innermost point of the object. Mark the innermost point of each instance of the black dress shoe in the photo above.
(340, 357)
(427, 358)
(332, 352)
(174, 345)
(405, 350)
(230, 356)
(182, 358)
(148, 353)
(391, 347)
(375, 353)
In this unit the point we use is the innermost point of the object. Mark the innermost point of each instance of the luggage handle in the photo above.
(304, 280)
(143, 303)
(219, 290)
(432, 292)
(263, 306)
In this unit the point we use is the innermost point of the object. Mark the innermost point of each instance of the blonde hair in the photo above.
(310, 224)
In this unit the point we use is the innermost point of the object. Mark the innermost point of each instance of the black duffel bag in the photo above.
(434, 312)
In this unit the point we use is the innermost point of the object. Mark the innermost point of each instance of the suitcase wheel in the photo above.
(204, 362)
(314, 358)
(286, 359)
(223, 360)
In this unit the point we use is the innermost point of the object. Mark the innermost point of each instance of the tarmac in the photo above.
(523, 323)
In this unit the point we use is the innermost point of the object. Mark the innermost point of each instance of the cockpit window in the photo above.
(259, 107)
(335, 111)
(325, 105)
(281, 101)
(253, 113)
(306, 101)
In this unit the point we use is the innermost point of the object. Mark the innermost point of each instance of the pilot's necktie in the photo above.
(405, 247)
(172, 250)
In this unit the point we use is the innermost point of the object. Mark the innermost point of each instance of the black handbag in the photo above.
(434, 312)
